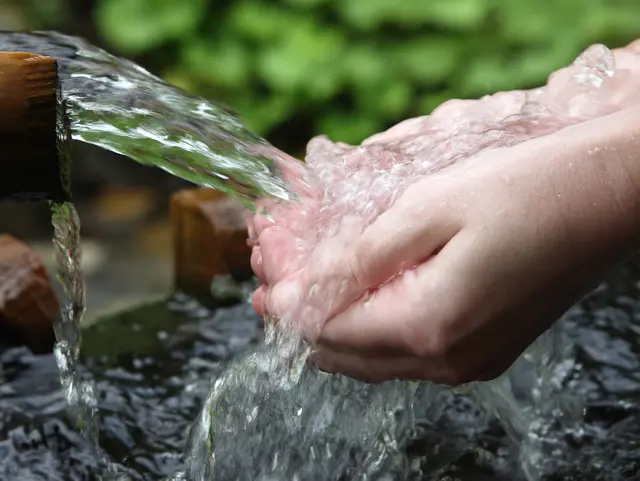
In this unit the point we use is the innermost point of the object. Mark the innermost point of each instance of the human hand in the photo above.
(317, 286)
(493, 249)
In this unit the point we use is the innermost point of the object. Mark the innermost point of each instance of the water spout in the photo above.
(155, 123)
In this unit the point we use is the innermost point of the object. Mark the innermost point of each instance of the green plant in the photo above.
(295, 68)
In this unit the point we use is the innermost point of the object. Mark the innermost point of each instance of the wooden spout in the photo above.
(32, 140)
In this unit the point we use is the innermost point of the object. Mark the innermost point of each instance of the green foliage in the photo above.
(295, 68)
(136, 26)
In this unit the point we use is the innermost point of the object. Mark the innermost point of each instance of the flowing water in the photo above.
(117, 105)
(335, 428)
(269, 416)
(79, 393)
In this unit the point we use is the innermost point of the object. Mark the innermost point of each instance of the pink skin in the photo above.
(277, 235)
(281, 259)
(264, 232)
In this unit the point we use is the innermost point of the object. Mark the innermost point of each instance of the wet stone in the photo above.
(28, 305)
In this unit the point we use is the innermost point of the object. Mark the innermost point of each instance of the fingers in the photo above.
(409, 233)
(413, 322)
(264, 218)
(252, 235)
(256, 264)
(372, 369)
(401, 238)
(286, 302)
(259, 300)
(283, 255)
(406, 316)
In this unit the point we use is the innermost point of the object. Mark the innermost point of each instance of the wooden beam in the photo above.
(33, 142)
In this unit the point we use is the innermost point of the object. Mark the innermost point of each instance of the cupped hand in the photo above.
(490, 251)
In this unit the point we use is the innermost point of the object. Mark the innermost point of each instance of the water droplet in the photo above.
(596, 64)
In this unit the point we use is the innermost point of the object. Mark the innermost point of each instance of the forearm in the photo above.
(599, 174)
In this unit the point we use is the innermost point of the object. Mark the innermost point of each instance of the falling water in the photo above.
(117, 105)
(319, 426)
(79, 393)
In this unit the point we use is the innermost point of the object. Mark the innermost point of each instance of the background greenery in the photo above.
(348, 68)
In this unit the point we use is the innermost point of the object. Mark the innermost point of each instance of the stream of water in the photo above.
(269, 416)
(117, 105)
(79, 392)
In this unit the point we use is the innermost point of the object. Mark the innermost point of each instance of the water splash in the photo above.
(356, 184)
(329, 427)
(537, 405)
(334, 428)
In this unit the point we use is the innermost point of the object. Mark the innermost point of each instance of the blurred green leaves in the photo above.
(304, 60)
(351, 67)
(139, 25)
(372, 14)
(227, 62)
